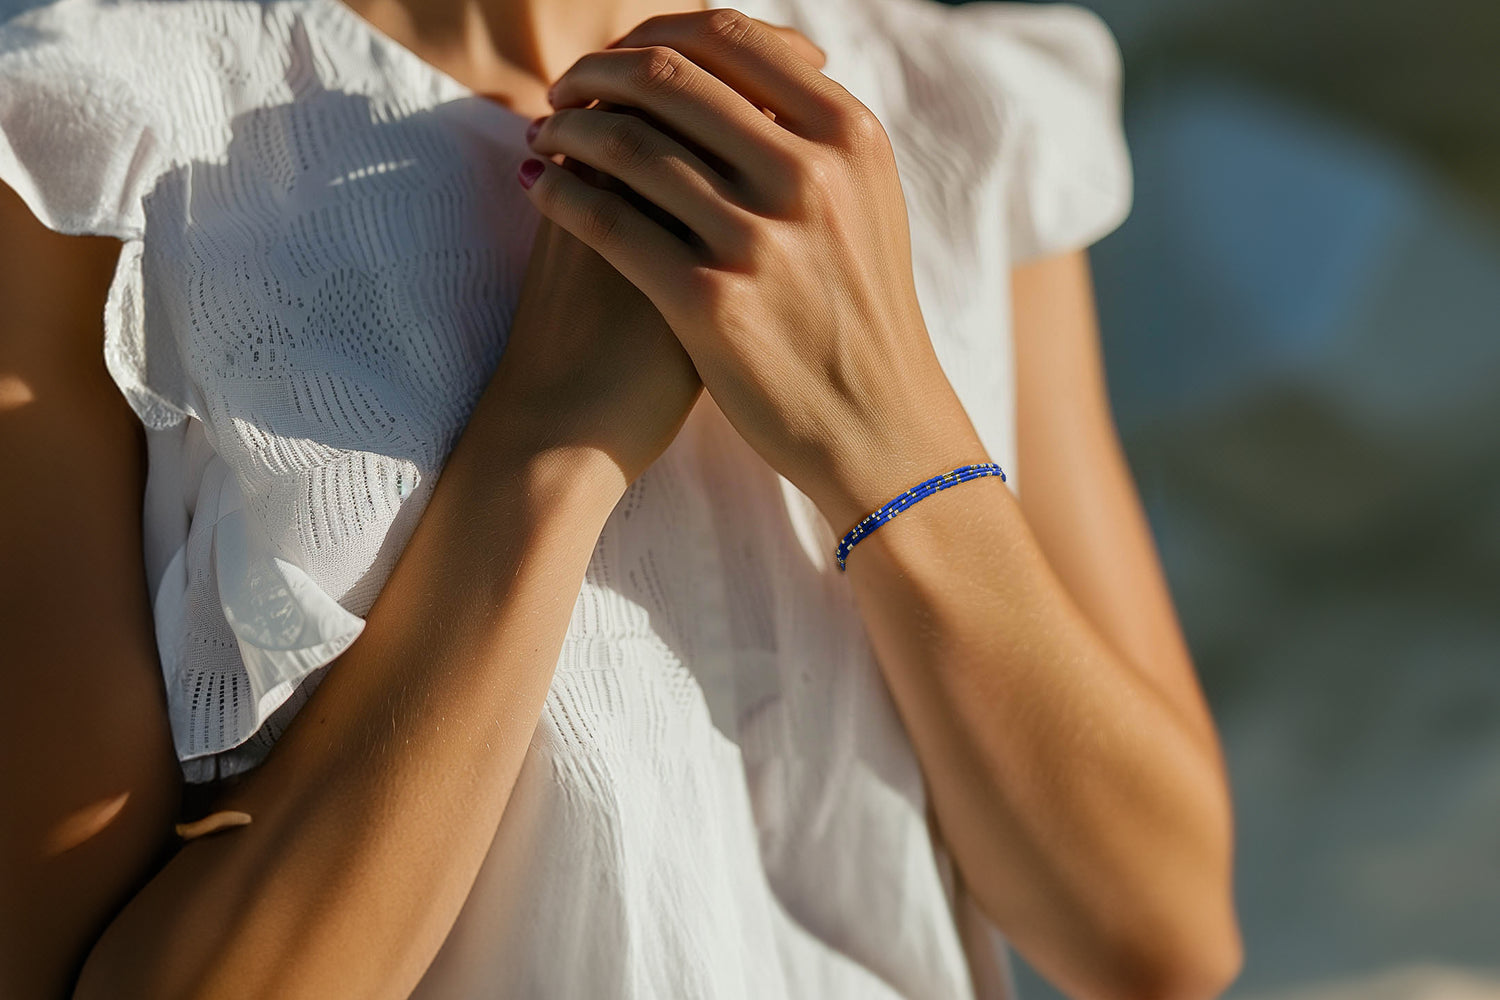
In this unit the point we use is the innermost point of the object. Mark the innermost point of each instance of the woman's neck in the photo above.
(511, 49)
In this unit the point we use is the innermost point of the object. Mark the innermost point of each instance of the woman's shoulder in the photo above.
(93, 97)
(128, 36)
(98, 98)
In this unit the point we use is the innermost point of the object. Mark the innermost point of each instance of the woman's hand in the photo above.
(789, 279)
(1084, 802)
(590, 361)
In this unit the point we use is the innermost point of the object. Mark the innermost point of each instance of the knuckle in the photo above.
(657, 69)
(709, 289)
(601, 220)
(816, 178)
(725, 26)
(559, 124)
(624, 143)
(544, 192)
(860, 130)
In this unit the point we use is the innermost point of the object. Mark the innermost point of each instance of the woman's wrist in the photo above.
(542, 484)
(872, 460)
(577, 482)
(519, 454)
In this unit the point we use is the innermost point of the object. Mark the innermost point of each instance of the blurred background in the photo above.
(1302, 327)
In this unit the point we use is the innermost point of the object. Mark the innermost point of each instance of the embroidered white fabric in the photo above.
(323, 244)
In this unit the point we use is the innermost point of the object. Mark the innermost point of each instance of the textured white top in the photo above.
(323, 245)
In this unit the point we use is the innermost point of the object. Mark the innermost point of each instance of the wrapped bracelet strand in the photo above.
(896, 505)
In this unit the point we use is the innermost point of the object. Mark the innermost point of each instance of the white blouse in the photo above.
(323, 246)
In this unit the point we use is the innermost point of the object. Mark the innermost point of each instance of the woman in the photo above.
(616, 722)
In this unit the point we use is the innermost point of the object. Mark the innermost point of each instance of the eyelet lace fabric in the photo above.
(322, 246)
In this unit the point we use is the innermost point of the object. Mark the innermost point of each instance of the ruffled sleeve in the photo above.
(1053, 72)
(76, 143)
(87, 138)
(1015, 98)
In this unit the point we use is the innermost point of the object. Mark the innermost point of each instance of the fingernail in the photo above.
(552, 95)
(534, 127)
(529, 172)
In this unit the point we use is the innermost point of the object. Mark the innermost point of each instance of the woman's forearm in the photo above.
(1087, 813)
(1085, 804)
(372, 814)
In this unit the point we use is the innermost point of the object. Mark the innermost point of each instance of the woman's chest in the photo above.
(338, 274)
(337, 279)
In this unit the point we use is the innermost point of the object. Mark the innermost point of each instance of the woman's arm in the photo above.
(373, 812)
(88, 778)
(375, 809)
(1035, 657)
(1082, 792)
(1076, 489)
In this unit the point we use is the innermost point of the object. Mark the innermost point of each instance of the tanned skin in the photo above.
(1030, 644)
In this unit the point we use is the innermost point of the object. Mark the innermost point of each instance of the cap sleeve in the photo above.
(89, 125)
(1052, 72)
(76, 142)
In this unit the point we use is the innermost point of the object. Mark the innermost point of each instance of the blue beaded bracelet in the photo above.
(926, 488)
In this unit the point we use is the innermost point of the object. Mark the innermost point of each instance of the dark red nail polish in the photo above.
(529, 172)
(534, 127)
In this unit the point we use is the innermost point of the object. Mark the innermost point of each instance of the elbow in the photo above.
(1202, 967)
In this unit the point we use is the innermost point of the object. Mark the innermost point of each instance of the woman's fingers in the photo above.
(799, 42)
(640, 249)
(755, 60)
(685, 98)
(656, 167)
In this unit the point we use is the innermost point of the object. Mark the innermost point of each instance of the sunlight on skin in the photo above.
(84, 824)
(14, 393)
